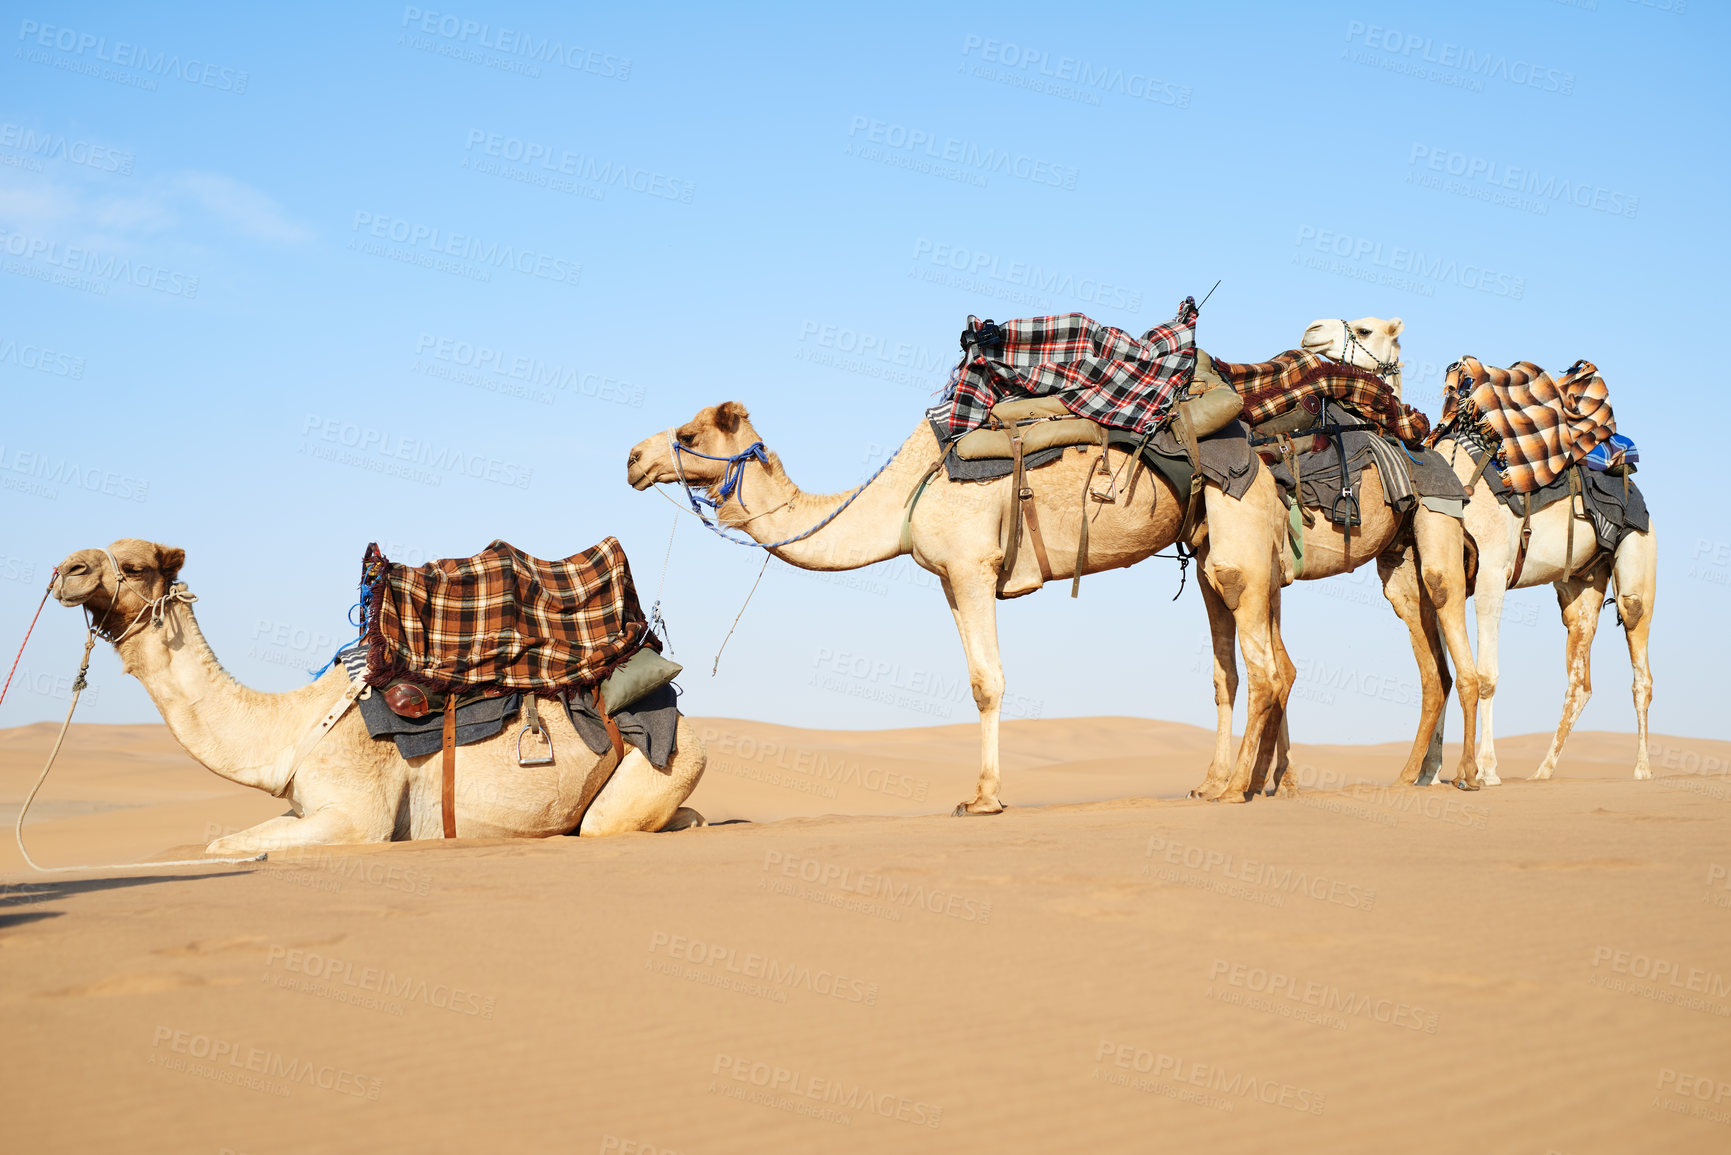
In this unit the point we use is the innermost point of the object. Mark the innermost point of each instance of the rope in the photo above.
(78, 685)
(717, 664)
(658, 624)
(27, 634)
(736, 480)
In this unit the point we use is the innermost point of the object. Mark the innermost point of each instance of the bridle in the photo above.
(1350, 341)
(732, 477)
(155, 610)
(733, 486)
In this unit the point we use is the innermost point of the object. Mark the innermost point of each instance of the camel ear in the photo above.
(1394, 327)
(169, 560)
(729, 414)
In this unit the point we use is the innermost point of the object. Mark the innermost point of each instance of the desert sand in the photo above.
(836, 965)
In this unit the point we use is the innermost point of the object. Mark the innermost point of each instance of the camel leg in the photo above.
(1488, 607)
(1284, 783)
(640, 797)
(1245, 573)
(331, 826)
(973, 601)
(1223, 633)
(1441, 541)
(1580, 601)
(1400, 585)
(1636, 577)
(1276, 748)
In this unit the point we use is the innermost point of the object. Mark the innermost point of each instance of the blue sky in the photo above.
(262, 270)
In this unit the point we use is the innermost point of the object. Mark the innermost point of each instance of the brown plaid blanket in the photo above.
(1543, 425)
(502, 618)
(1270, 388)
(1098, 372)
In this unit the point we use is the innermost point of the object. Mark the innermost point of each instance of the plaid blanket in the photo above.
(1098, 372)
(1539, 426)
(502, 618)
(1271, 388)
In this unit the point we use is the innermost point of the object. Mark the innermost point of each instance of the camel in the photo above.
(350, 787)
(1424, 585)
(1497, 531)
(957, 532)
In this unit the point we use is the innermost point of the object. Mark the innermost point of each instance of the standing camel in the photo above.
(1423, 589)
(350, 787)
(1580, 590)
(957, 531)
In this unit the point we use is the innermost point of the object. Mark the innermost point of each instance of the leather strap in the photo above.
(1082, 542)
(1013, 514)
(1478, 472)
(1521, 550)
(296, 756)
(1574, 492)
(612, 730)
(1033, 518)
(448, 791)
(906, 544)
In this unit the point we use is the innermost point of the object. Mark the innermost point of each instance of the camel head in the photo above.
(115, 599)
(720, 431)
(1369, 342)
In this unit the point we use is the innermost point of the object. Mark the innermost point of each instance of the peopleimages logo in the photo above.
(511, 42)
(1402, 267)
(1461, 62)
(89, 46)
(1486, 178)
(465, 247)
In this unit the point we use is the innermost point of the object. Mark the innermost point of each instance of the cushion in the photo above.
(984, 444)
(637, 677)
(1026, 408)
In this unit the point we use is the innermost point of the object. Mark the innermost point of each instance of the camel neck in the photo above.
(867, 531)
(233, 731)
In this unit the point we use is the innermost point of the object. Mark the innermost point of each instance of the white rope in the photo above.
(77, 690)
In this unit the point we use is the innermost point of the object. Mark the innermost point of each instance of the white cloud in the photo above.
(243, 207)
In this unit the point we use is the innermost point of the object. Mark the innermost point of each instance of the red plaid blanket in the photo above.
(1544, 425)
(1271, 388)
(502, 618)
(1097, 371)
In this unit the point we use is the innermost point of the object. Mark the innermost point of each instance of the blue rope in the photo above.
(733, 480)
(366, 600)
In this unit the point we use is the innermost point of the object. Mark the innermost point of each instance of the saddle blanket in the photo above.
(1408, 476)
(1270, 388)
(1098, 372)
(1538, 426)
(650, 723)
(502, 618)
(1225, 456)
(1614, 504)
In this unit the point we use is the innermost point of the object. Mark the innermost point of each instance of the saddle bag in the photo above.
(412, 700)
(1041, 422)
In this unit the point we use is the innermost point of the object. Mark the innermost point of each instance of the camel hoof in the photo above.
(685, 818)
(1490, 780)
(1463, 784)
(1540, 776)
(966, 810)
(1642, 774)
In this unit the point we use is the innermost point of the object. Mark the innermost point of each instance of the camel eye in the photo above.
(687, 440)
(129, 569)
(1364, 332)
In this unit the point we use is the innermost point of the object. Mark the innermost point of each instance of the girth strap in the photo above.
(448, 789)
(1526, 536)
(613, 735)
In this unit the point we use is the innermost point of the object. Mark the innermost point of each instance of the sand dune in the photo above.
(836, 966)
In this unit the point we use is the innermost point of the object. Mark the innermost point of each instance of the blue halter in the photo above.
(732, 478)
(733, 483)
